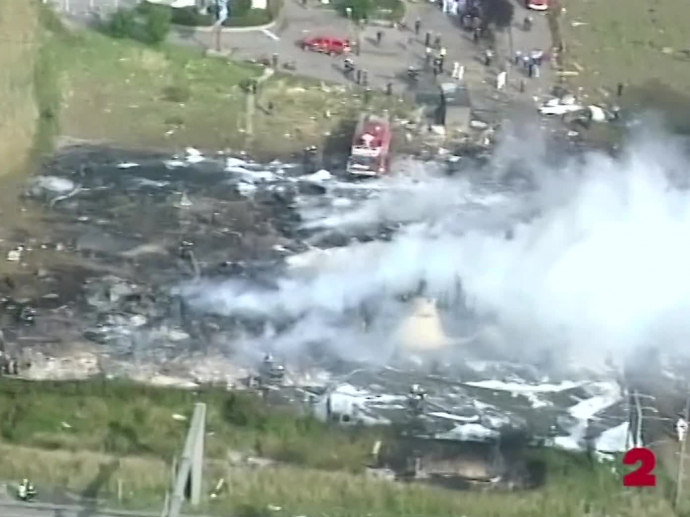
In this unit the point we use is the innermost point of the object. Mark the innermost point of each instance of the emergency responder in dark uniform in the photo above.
(416, 399)
(348, 67)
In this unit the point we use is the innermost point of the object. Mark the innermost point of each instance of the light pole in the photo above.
(681, 462)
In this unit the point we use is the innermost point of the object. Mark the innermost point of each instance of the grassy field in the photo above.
(88, 437)
(121, 91)
(126, 419)
(20, 46)
(644, 44)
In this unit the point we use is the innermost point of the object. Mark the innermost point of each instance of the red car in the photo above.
(326, 45)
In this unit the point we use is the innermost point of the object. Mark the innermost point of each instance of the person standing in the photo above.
(488, 56)
(417, 26)
(379, 37)
(456, 70)
(427, 39)
(619, 90)
(681, 429)
(427, 57)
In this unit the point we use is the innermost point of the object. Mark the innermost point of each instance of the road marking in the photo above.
(270, 35)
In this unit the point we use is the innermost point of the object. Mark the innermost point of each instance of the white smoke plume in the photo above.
(596, 261)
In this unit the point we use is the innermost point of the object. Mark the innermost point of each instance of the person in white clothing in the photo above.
(456, 70)
(501, 80)
(681, 429)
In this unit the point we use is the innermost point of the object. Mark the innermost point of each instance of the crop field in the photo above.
(643, 44)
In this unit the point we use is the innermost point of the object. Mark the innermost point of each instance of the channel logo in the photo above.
(643, 475)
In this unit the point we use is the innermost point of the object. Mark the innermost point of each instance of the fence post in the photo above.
(681, 461)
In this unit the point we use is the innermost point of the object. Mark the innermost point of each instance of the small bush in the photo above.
(253, 17)
(239, 8)
(361, 9)
(242, 15)
(158, 23)
(122, 24)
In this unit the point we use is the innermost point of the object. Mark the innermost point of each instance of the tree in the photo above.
(122, 23)
(158, 23)
(499, 13)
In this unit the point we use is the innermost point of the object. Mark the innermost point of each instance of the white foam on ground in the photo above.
(234, 162)
(246, 189)
(469, 433)
(450, 416)
(614, 439)
(537, 402)
(144, 182)
(524, 388)
(194, 156)
(55, 184)
(610, 394)
(318, 176)
(174, 164)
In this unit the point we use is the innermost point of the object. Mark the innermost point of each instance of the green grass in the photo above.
(124, 419)
(46, 83)
(94, 433)
(115, 90)
(641, 43)
(20, 46)
(126, 93)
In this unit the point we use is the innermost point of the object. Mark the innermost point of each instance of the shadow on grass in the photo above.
(89, 495)
(655, 96)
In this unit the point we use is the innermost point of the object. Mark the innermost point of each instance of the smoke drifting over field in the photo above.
(591, 258)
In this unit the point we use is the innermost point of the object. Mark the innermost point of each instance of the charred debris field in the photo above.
(135, 284)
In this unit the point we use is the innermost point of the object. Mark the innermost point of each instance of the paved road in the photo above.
(15, 509)
(36, 509)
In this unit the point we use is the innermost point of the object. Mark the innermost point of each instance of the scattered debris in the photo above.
(15, 255)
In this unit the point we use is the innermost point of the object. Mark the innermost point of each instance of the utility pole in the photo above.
(637, 439)
(681, 461)
(219, 27)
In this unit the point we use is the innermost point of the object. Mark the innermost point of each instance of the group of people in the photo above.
(360, 76)
(529, 61)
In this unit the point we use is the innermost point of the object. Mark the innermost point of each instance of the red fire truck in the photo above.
(370, 153)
